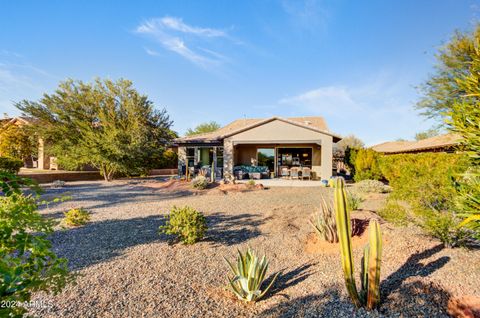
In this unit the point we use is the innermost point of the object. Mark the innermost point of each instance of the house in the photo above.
(441, 143)
(273, 142)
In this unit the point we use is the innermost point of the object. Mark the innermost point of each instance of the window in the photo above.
(220, 157)
(266, 158)
(190, 156)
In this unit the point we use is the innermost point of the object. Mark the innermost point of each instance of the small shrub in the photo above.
(76, 217)
(372, 186)
(250, 183)
(248, 276)
(200, 182)
(324, 223)
(353, 200)
(11, 165)
(444, 226)
(186, 223)
(394, 213)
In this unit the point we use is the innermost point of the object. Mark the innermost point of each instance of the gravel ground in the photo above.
(127, 269)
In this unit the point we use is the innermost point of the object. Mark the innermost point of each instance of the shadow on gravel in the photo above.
(414, 267)
(227, 229)
(291, 278)
(330, 303)
(100, 241)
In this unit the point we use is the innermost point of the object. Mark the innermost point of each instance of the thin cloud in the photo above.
(151, 52)
(306, 14)
(172, 33)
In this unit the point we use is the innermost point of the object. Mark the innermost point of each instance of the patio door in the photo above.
(266, 157)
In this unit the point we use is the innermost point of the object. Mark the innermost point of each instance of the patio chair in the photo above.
(294, 173)
(284, 172)
(306, 173)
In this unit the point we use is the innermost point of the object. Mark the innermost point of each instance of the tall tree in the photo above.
(17, 142)
(203, 128)
(426, 134)
(106, 124)
(351, 141)
(442, 90)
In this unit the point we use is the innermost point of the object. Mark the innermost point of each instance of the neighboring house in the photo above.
(442, 143)
(273, 142)
(42, 161)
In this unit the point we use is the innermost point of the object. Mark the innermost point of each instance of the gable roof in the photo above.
(317, 124)
(436, 142)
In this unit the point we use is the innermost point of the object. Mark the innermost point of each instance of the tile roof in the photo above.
(441, 141)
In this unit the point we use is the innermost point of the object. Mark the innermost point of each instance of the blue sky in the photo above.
(356, 63)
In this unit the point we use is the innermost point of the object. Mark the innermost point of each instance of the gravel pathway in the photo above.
(127, 269)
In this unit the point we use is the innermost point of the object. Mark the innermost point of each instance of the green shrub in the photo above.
(186, 223)
(394, 213)
(372, 186)
(425, 180)
(76, 217)
(11, 165)
(27, 262)
(250, 183)
(367, 165)
(200, 182)
(248, 275)
(353, 201)
(444, 226)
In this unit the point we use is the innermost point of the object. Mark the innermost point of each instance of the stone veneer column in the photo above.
(327, 158)
(43, 160)
(182, 158)
(228, 154)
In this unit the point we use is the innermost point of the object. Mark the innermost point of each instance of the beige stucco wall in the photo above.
(280, 133)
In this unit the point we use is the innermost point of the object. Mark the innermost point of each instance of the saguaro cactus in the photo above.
(369, 295)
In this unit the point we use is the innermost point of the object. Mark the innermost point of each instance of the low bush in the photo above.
(250, 183)
(186, 223)
(76, 217)
(394, 213)
(11, 165)
(444, 226)
(27, 262)
(353, 201)
(200, 182)
(372, 186)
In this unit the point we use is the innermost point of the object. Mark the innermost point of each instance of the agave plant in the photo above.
(248, 276)
(324, 223)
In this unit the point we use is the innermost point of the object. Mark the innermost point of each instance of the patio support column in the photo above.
(182, 159)
(228, 154)
(214, 161)
(195, 156)
(327, 158)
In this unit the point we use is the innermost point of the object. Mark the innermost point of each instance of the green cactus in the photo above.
(369, 295)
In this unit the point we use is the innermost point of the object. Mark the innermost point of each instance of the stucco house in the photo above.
(274, 142)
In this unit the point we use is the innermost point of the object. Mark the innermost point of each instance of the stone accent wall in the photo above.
(182, 158)
(228, 156)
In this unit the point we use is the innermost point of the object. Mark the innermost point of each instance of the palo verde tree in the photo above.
(203, 128)
(442, 89)
(105, 124)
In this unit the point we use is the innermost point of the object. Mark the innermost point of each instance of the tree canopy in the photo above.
(17, 142)
(426, 134)
(105, 124)
(203, 128)
(350, 141)
(442, 89)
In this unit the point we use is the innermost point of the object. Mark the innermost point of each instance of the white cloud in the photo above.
(172, 33)
(379, 109)
(151, 52)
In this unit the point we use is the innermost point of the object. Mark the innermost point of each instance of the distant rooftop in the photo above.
(429, 144)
